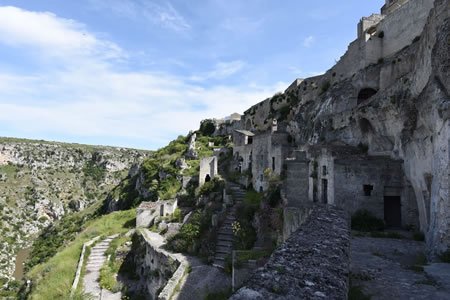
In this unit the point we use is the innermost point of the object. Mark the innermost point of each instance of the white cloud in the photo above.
(54, 36)
(86, 95)
(221, 70)
(308, 41)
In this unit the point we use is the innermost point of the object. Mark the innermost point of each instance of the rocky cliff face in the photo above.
(406, 118)
(42, 181)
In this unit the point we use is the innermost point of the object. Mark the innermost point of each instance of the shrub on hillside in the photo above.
(363, 220)
(207, 128)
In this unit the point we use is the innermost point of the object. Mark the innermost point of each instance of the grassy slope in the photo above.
(53, 279)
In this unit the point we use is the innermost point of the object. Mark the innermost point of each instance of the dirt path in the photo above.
(396, 269)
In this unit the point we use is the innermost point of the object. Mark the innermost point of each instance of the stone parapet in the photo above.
(313, 263)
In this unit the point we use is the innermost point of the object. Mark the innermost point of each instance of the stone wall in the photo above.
(269, 151)
(148, 211)
(154, 266)
(296, 184)
(313, 263)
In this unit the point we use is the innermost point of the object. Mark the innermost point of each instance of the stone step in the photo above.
(221, 249)
(93, 267)
(100, 254)
(224, 243)
(225, 231)
(220, 256)
(96, 260)
(102, 248)
(219, 265)
(225, 238)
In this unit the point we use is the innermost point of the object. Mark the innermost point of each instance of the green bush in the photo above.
(207, 188)
(207, 128)
(274, 196)
(253, 198)
(363, 220)
(189, 233)
(445, 256)
(168, 188)
(418, 236)
(96, 172)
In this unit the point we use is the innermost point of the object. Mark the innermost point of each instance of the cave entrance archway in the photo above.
(207, 178)
(248, 124)
(365, 94)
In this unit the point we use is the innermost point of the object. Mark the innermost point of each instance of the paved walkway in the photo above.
(396, 269)
(95, 262)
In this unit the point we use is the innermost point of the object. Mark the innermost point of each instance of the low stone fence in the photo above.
(313, 263)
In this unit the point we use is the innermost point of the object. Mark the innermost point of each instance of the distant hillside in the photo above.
(42, 181)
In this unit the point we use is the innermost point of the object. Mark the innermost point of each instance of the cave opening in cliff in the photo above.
(365, 94)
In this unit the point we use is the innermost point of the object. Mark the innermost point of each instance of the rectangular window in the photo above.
(273, 163)
(367, 189)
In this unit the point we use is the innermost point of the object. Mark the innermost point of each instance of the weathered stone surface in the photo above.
(392, 269)
(191, 153)
(312, 264)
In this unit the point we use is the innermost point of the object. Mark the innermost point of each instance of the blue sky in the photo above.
(138, 73)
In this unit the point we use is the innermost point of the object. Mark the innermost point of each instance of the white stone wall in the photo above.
(402, 26)
(208, 166)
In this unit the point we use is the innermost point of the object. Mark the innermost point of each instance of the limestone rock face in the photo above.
(181, 164)
(190, 152)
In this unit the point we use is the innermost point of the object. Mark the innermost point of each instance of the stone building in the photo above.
(345, 177)
(147, 212)
(208, 169)
(270, 150)
(242, 149)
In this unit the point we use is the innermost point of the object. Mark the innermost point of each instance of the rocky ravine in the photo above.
(41, 181)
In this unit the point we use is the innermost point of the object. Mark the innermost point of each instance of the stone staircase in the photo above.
(225, 236)
(95, 262)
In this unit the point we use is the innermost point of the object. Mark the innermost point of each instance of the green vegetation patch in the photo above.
(363, 220)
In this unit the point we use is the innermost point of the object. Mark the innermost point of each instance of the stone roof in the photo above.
(245, 132)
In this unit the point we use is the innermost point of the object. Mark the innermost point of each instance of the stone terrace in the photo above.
(313, 263)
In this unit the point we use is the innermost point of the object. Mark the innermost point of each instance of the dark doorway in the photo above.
(392, 211)
(324, 191)
(207, 178)
(315, 190)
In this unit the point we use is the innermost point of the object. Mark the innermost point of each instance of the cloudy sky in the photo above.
(138, 73)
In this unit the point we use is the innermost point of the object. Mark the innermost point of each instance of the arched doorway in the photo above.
(207, 178)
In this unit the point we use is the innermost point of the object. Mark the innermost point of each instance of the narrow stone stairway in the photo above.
(95, 262)
(225, 235)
